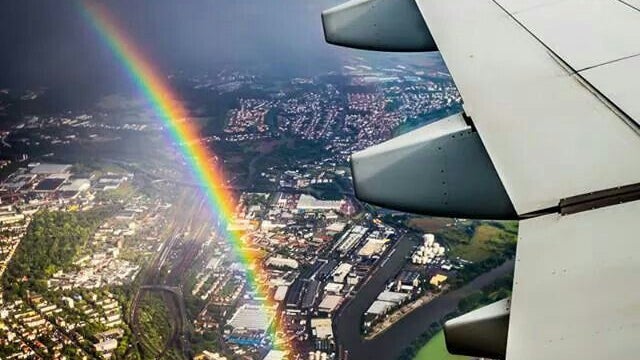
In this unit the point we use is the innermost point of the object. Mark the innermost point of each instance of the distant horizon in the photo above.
(282, 39)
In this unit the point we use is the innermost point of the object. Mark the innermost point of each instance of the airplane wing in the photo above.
(550, 135)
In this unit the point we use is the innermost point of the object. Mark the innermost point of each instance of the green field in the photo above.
(435, 349)
(480, 247)
(485, 240)
(155, 324)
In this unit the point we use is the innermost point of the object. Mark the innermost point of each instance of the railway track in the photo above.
(178, 253)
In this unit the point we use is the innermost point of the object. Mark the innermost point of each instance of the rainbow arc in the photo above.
(166, 104)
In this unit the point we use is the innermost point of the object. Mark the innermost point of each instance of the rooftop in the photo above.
(380, 307)
(251, 317)
(322, 327)
(392, 296)
(45, 168)
(275, 355)
(437, 279)
(330, 303)
(50, 184)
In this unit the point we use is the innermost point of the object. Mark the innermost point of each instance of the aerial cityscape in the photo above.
(121, 239)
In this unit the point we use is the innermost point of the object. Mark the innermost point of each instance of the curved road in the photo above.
(391, 343)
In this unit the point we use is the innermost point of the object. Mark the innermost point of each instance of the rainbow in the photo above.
(200, 160)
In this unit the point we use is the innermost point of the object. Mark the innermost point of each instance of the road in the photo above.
(391, 343)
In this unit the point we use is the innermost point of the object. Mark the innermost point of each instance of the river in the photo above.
(391, 343)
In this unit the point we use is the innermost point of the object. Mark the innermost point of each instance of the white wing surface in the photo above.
(551, 88)
(546, 127)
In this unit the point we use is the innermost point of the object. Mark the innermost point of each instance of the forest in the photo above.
(51, 243)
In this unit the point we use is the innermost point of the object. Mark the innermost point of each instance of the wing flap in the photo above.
(574, 295)
(613, 82)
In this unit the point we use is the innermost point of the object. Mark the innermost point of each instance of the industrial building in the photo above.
(281, 293)
(322, 328)
(50, 184)
(386, 301)
(437, 280)
(378, 308)
(75, 186)
(393, 297)
(373, 246)
(333, 288)
(330, 303)
(310, 203)
(341, 272)
(407, 281)
(48, 169)
(350, 239)
(249, 324)
(251, 317)
(281, 262)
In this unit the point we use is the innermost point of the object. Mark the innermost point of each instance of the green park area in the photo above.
(487, 239)
(51, 243)
(477, 241)
(471, 240)
(435, 349)
(154, 326)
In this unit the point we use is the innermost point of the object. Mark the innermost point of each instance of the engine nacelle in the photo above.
(383, 25)
(482, 332)
(441, 169)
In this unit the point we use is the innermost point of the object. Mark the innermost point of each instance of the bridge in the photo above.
(172, 289)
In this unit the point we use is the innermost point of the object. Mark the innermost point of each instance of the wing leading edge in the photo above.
(548, 94)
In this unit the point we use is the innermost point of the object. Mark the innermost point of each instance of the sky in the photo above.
(49, 43)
